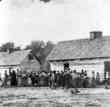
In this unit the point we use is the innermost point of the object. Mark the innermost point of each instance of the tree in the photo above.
(40, 49)
(45, 1)
(9, 46)
(17, 48)
(37, 48)
(48, 48)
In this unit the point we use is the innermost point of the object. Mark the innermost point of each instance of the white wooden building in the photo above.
(18, 61)
(92, 55)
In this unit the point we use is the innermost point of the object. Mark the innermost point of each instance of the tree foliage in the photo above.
(40, 49)
(45, 1)
(9, 47)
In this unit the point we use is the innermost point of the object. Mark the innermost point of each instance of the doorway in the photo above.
(66, 66)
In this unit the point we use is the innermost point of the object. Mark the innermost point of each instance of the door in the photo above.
(66, 66)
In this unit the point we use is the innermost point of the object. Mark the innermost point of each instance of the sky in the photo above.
(22, 21)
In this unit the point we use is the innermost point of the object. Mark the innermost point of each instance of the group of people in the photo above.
(52, 79)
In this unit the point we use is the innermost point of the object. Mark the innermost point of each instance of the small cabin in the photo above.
(91, 55)
(20, 61)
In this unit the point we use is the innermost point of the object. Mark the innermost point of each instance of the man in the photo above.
(74, 82)
(67, 78)
(32, 76)
(52, 78)
(5, 79)
(13, 78)
(57, 79)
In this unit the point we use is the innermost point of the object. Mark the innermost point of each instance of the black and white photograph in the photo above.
(54, 53)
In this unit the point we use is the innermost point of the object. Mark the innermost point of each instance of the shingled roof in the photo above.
(3, 55)
(14, 58)
(81, 49)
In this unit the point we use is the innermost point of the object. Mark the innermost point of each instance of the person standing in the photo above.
(13, 78)
(53, 79)
(97, 78)
(5, 79)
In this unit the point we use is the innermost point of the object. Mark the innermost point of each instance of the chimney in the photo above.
(95, 34)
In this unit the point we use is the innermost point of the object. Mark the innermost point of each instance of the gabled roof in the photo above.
(3, 54)
(81, 49)
(14, 58)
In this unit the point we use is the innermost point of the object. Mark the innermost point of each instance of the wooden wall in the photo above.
(96, 65)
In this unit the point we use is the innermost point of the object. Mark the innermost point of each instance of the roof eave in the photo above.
(52, 60)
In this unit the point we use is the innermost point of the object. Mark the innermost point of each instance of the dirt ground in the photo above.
(46, 97)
